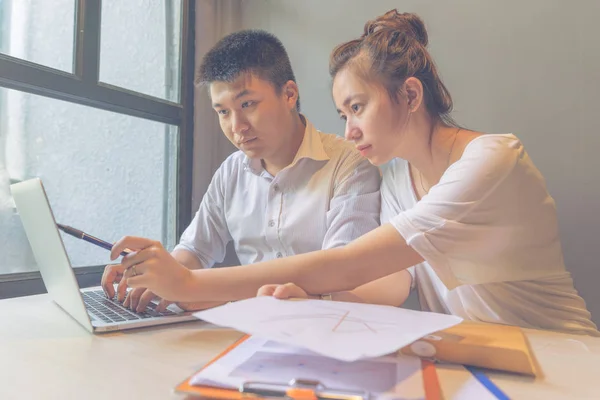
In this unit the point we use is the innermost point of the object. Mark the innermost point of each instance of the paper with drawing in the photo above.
(344, 331)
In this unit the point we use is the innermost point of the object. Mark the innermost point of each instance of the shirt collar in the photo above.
(311, 148)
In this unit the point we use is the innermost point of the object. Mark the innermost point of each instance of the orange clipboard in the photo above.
(430, 382)
(186, 387)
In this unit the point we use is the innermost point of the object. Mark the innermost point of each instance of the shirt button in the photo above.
(276, 187)
(271, 223)
(279, 255)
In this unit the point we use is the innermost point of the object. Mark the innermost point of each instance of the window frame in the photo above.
(83, 87)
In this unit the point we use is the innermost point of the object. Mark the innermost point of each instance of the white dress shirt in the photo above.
(327, 197)
(488, 232)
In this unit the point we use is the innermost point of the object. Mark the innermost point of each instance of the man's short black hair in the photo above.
(249, 51)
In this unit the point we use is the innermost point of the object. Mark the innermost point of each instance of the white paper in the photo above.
(267, 361)
(344, 331)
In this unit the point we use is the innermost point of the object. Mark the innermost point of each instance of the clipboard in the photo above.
(297, 389)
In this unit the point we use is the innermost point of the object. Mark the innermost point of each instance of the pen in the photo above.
(89, 238)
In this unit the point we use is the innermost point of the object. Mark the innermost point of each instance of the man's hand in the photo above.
(151, 267)
(114, 274)
(138, 299)
(287, 291)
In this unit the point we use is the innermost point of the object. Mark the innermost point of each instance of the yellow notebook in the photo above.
(499, 347)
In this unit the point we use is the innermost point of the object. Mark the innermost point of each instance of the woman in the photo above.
(470, 212)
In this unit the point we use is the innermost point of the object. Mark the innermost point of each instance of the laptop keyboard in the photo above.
(112, 311)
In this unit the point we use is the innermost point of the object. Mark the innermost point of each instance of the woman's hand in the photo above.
(290, 290)
(151, 267)
(287, 291)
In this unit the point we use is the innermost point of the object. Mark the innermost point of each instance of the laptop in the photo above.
(89, 306)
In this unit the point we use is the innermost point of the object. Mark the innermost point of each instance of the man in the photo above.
(289, 190)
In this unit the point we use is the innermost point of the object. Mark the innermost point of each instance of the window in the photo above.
(39, 31)
(97, 178)
(103, 116)
(143, 56)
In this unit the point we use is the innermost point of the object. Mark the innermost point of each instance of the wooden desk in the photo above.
(44, 354)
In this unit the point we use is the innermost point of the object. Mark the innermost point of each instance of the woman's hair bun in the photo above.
(399, 23)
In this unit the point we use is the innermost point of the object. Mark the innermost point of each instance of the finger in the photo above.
(139, 269)
(127, 300)
(138, 281)
(151, 252)
(163, 304)
(145, 298)
(133, 297)
(140, 275)
(266, 290)
(109, 276)
(107, 286)
(129, 242)
(288, 291)
(122, 289)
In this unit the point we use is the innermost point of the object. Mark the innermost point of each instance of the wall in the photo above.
(531, 68)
